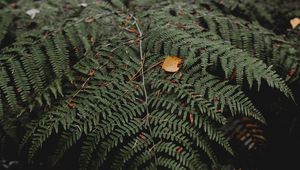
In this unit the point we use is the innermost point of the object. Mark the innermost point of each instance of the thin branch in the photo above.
(83, 85)
(142, 58)
(136, 75)
(142, 66)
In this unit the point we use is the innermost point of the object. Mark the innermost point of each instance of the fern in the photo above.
(261, 43)
(31, 72)
(96, 82)
(247, 132)
(212, 50)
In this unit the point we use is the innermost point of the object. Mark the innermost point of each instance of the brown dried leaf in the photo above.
(171, 64)
(295, 22)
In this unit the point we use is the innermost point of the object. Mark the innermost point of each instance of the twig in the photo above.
(155, 146)
(137, 74)
(142, 65)
(83, 85)
(142, 58)
(122, 44)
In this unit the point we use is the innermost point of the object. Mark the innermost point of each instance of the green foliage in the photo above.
(256, 40)
(5, 21)
(95, 82)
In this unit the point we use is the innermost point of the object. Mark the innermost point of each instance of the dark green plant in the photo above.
(94, 80)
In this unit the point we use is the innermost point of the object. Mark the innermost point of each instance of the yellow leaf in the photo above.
(171, 64)
(295, 22)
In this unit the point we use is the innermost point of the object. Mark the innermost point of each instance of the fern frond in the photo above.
(214, 49)
(94, 80)
(28, 60)
(256, 40)
(246, 132)
(7, 90)
(46, 126)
